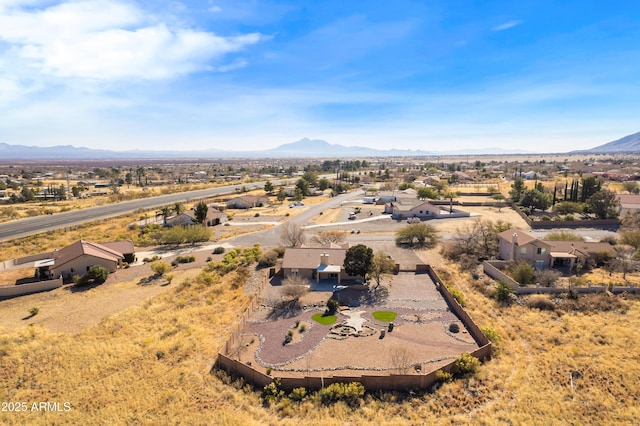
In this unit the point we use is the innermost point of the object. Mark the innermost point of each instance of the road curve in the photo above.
(37, 224)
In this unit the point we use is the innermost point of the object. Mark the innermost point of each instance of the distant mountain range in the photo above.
(629, 143)
(302, 148)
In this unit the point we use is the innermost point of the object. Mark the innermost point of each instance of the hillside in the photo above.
(630, 143)
(149, 364)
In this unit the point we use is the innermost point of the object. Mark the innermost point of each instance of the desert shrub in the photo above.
(160, 267)
(562, 236)
(268, 258)
(272, 393)
(280, 251)
(465, 364)
(332, 306)
(592, 303)
(525, 210)
(443, 376)
(503, 291)
(545, 217)
(185, 259)
(491, 334)
(458, 295)
(303, 328)
(602, 258)
(34, 311)
(541, 302)
(467, 262)
(569, 218)
(218, 250)
(454, 327)
(298, 394)
(350, 393)
(523, 273)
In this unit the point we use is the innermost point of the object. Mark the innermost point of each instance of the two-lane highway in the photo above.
(37, 224)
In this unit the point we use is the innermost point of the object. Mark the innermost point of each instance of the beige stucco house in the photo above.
(316, 263)
(77, 258)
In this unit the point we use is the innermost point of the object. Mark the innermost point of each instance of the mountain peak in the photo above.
(630, 143)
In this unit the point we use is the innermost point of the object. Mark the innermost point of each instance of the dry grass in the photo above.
(149, 364)
(109, 230)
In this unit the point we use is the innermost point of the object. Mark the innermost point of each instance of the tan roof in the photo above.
(123, 247)
(82, 247)
(580, 248)
(629, 201)
(309, 258)
(212, 213)
(522, 237)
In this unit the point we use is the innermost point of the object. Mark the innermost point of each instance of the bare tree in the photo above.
(625, 260)
(547, 277)
(325, 238)
(401, 359)
(382, 266)
(292, 235)
(294, 288)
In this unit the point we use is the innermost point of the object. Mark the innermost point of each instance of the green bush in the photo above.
(332, 306)
(458, 295)
(272, 393)
(491, 334)
(465, 364)
(97, 274)
(503, 291)
(218, 250)
(34, 311)
(523, 273)
(298, 394)
(454, 327)
(350, 393)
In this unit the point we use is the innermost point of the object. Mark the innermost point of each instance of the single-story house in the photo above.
(247, 202)
(628, 203)
(214, 217)
(77, 258)
(316, 263)
(424, 210)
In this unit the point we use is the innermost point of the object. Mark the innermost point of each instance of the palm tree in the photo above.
(178, 208)
(165, 212)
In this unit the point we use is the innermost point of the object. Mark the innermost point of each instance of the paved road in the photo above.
(34, 225)
(271, 237)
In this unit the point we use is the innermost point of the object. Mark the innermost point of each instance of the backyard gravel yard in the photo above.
(420, 335)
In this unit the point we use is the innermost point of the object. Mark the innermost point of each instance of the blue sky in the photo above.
(540, 76)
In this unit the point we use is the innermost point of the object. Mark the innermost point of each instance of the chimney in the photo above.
(324, 259)
(514, 241)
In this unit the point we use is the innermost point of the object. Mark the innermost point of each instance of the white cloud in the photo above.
(506, 25)
(236, 64)
(215, 9)
(109, 39)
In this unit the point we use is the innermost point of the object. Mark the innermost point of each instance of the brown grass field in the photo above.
(149, 363)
